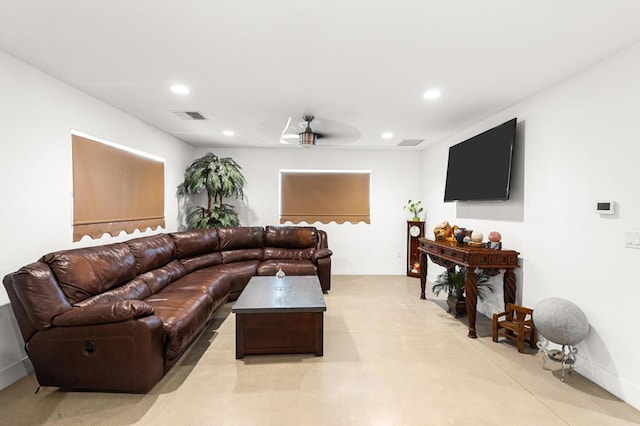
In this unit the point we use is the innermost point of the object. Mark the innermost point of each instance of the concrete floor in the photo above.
(389, 359)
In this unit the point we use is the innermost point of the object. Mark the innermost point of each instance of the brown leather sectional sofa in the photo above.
(117, 317)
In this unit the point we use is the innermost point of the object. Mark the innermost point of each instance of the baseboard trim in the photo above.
(626, 391)
(15, 372)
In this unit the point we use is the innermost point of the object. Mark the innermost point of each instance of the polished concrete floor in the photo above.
(389, 359)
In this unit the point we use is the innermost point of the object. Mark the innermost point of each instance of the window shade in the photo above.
(114, 190)
(324, 196)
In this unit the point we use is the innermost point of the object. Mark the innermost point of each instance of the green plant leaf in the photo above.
(220, 178)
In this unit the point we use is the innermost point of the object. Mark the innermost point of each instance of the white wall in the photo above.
(37, 113)
(376, 248)
(578, 143)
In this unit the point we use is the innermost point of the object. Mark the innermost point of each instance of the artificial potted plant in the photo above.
(452, 281)
(220, 178)
(415, 207)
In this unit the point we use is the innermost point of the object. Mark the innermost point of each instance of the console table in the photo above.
(449, 254)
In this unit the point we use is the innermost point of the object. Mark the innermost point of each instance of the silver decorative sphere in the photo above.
(560, 321)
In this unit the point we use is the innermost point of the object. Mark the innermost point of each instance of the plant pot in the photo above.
(457, 307)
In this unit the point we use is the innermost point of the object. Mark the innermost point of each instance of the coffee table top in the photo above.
(289, 294)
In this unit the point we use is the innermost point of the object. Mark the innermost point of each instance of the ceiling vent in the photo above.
(189, 115)
(410, 142)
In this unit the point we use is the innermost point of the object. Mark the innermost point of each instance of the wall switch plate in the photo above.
(632, 239)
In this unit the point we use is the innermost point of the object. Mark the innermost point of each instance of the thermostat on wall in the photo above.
(606, 207)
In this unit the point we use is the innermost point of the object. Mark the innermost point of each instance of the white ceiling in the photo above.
(359, 66)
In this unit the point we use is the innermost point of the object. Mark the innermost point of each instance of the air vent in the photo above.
(410, 142)
(189, 115)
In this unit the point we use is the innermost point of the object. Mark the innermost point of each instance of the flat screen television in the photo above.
(480, 167)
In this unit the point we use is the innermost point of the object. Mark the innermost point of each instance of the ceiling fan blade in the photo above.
(328, 132)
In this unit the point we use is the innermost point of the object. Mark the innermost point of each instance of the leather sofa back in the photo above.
(152, 252)
(197, 249)
(291, 237)
(241, 243)
(85, 272)
(241, 237)
(40, 297)
(195, 242)
(295, 243)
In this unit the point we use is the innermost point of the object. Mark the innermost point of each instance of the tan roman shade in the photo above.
(114, 190)
(324, 196)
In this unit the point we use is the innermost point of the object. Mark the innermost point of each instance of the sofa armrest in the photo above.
(104, 313)
(126, 356)
(321, 253)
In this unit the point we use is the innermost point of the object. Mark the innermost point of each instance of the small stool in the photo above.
(516, 324)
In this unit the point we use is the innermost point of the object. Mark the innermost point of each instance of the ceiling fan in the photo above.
(307, 139)
(300, 132)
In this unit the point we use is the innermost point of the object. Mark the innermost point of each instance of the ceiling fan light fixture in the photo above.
(307, 138)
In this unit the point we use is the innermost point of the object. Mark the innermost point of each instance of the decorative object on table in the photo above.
(442, 231)
(452, 281)
(220, 178)
(415, 230)
(476, 239)
(280, 273)
(494, 240)
(562, 322)
(415, 207)
(460, 234)
(515, 323)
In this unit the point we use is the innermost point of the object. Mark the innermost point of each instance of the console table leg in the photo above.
(471, 297)
(423, 274)
(509, 287)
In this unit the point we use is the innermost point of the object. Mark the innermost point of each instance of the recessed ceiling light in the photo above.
(387, 135)
(432, 94)
(228, 133)
(180, 89)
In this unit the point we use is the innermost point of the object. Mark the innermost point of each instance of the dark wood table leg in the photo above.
(509, 287)
(239, 336)
(318, 331)
(471, 296)
(423, 274)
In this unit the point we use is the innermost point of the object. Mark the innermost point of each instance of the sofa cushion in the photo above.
(85, 272)
(135, 289)
(288, 253)
(195, 242)
(152, 252)
(233, 256)
(242, 237)
(212, 281)
(204, 261)
(37, 289)
(159, 278)
(240, 273)
(293, 237)
(103, 313)
(289, 267)
(184, 314)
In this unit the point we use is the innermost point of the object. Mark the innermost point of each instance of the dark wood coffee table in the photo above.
(280, 316)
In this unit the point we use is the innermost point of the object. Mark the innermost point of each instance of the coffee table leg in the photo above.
(319, 334)
(239, 336)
